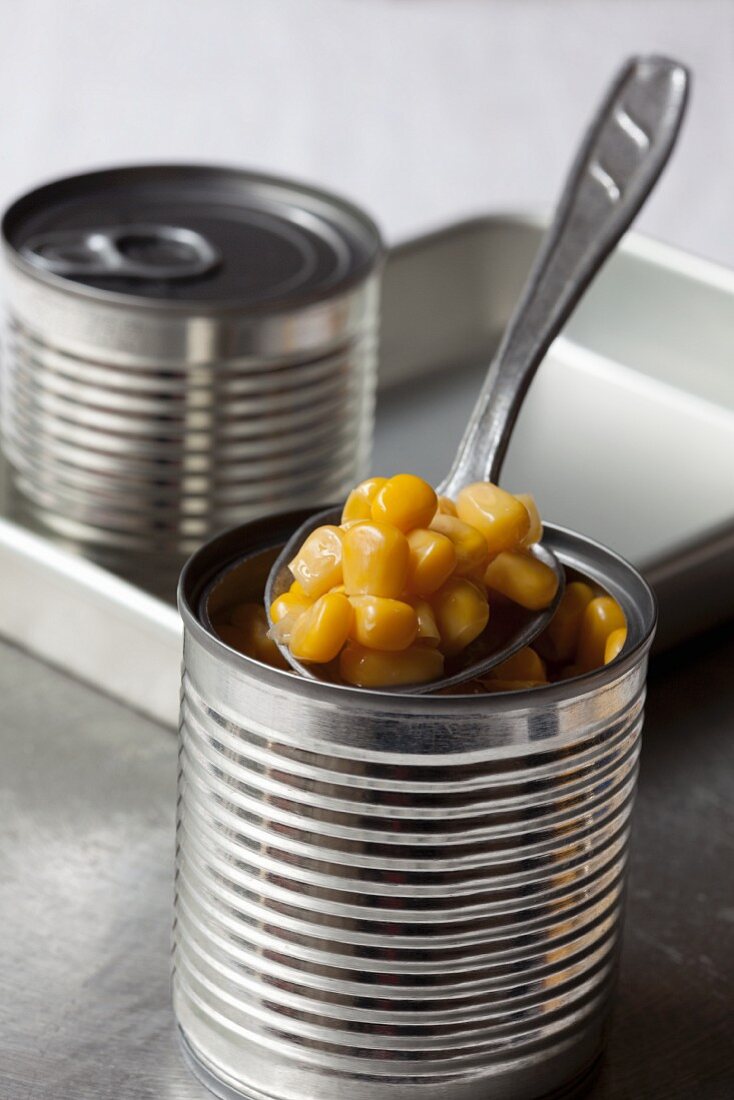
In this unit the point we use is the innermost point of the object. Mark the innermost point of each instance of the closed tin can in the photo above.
(188, 347)
(395, 897)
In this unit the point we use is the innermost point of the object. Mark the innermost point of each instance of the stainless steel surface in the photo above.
(280, 579)
(618, 163)
(141, 417)
(87, 804)
(381, 895)
(630, 355)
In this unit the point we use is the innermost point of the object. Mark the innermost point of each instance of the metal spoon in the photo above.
(618, 163)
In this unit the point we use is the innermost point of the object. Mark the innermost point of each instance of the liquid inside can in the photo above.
(187, 348)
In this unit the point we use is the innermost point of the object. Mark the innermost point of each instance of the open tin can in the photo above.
(396, 897)
(188, 348)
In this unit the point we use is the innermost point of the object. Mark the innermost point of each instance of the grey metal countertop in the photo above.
(87, 791)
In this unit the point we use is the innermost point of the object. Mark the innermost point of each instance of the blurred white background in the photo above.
(423, 110)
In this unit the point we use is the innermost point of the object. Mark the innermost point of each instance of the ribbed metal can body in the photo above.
(137, 427)
(391, 897)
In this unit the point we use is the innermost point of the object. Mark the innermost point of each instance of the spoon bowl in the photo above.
(617, 165)
(464, 667)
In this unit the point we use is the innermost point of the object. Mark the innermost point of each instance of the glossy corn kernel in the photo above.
(470, 545)
(446, 507)
(381, 623)
(522, 578)
(428, 633)
(559, 640)
(247, 631)
(289, 604)
(359, 501)
(535, 531)
(601, 617)
(318, 564)
(461, 611)
(319, 633)
(523, 665)
(375, 562)
(614, 644)
(406, 502)
(432, 561)
(369, 668)
(501, 517)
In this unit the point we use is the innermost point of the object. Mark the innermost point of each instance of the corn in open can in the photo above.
(396, 897)
(188, 348)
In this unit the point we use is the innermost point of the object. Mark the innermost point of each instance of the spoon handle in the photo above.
(620, 158)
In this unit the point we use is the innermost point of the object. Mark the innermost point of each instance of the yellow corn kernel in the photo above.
(319, 633)
(318, 564)
(535, 531)
(601, 616)
(381, 623)
(369, 668)
(296, 589)
(248, 633)
(447, 507)
(290, 603)
(376, 557)
(523, 665)
(470, 545)
(432, 561)
(461, 611)
(501, 517)
(522, 578)
(559, 640)
(427, 628)
(359, 501)
(406, 501)
(615, 644)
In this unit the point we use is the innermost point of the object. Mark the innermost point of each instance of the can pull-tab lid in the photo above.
(145, 251)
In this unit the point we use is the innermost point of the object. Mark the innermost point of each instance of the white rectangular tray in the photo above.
(627, 435)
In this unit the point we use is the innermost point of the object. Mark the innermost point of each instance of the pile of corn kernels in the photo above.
(407, 581)
(403, 583)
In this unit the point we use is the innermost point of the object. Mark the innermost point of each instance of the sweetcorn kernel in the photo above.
(501, 517)
(428, 633)
(369, 668)
(601, 617)
(523, 579)
(535, 531)
(319, 633)
(318, 564)
(446, 507)
(461, 611)
(432, 560)
(359, 501)
(559, 640)
(470, 545)
(376, 558)
(523, 665)
(289, 603)
(381, 623)
(615, 644)
(406, 502)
